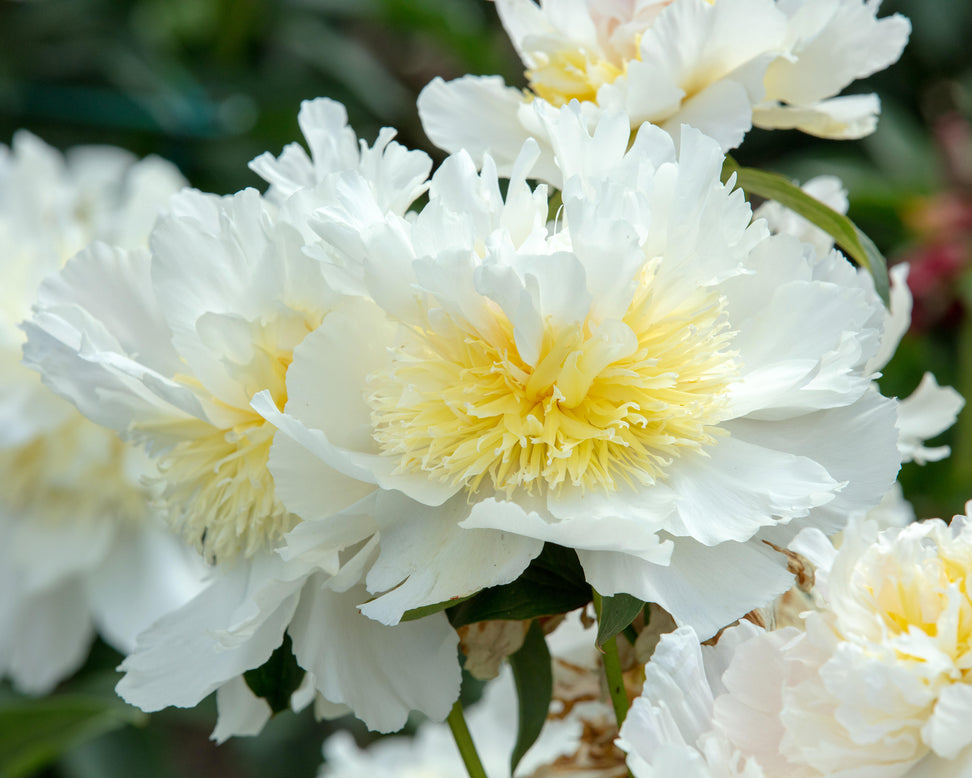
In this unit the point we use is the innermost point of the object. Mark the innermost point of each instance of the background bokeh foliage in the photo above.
(209, 84)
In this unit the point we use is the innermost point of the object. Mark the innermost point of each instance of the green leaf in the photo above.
(533, 677)
(553, 583)
(277, 678)
(845, 233)
(428, 610)
(35, 732)
(616, 613)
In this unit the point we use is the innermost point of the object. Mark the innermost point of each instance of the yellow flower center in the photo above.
(77, 471)
(216, 489)
(571, 74)
(931, 595)
(603, 405)
(575, 73)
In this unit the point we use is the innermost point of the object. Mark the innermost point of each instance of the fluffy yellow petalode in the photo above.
(217, 491)
(570, 74)
(76, 471)
(220, 494)
(925, 593)
(604, 404)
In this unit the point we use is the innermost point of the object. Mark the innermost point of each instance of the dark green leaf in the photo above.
(616, 614)
(845, 233)
(553, 583)
(533, 677)
(36, 732)
(277, 678)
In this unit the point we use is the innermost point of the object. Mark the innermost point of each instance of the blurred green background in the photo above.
(210, 84)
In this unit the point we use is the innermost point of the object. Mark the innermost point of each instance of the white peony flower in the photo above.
(653, 381)
(876, 684)
(879, 681)
(79, 551)
(168, 347)
(712, 711)
(719, 66)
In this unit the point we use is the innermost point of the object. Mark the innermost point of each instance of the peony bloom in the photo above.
(879, 679)
(721, 67)
(168, 346)
(875, 685)
(80, 551)
(651, 380)
(712, 711)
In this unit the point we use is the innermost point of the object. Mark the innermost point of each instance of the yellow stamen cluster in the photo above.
(603, 405)
(930, 595)
(219, 493)
(216, 489)
(76, 471)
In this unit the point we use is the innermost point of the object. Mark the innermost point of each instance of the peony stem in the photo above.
(612, 669)
(467, 749)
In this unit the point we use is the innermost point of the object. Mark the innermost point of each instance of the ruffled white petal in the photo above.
(428, 556)
(926, 412)
(380, 672)
(702, 587)
(240, 711)
(232, 626)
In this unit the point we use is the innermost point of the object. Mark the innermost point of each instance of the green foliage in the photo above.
(35, 732)
(533, 676)
(615, 615)
(552, 584)
(277, 678)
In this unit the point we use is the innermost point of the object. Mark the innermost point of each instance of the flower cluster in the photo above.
(570, 365)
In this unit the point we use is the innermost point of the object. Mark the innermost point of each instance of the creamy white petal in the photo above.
(947, 731)
(868, 469)
(926, 412)
(147, 575)
(844, 118)
(831, 45)
(53, 633)
(380, 672)
(232, 626)
(747, 487)
(620, 532)
(427, 556)
(488, 124)
(702, 587)
(240, 711)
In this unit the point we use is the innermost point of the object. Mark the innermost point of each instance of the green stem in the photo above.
(467, 749)
(961, 459)
(612, 669)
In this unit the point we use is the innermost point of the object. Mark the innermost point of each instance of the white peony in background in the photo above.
(81, 549)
